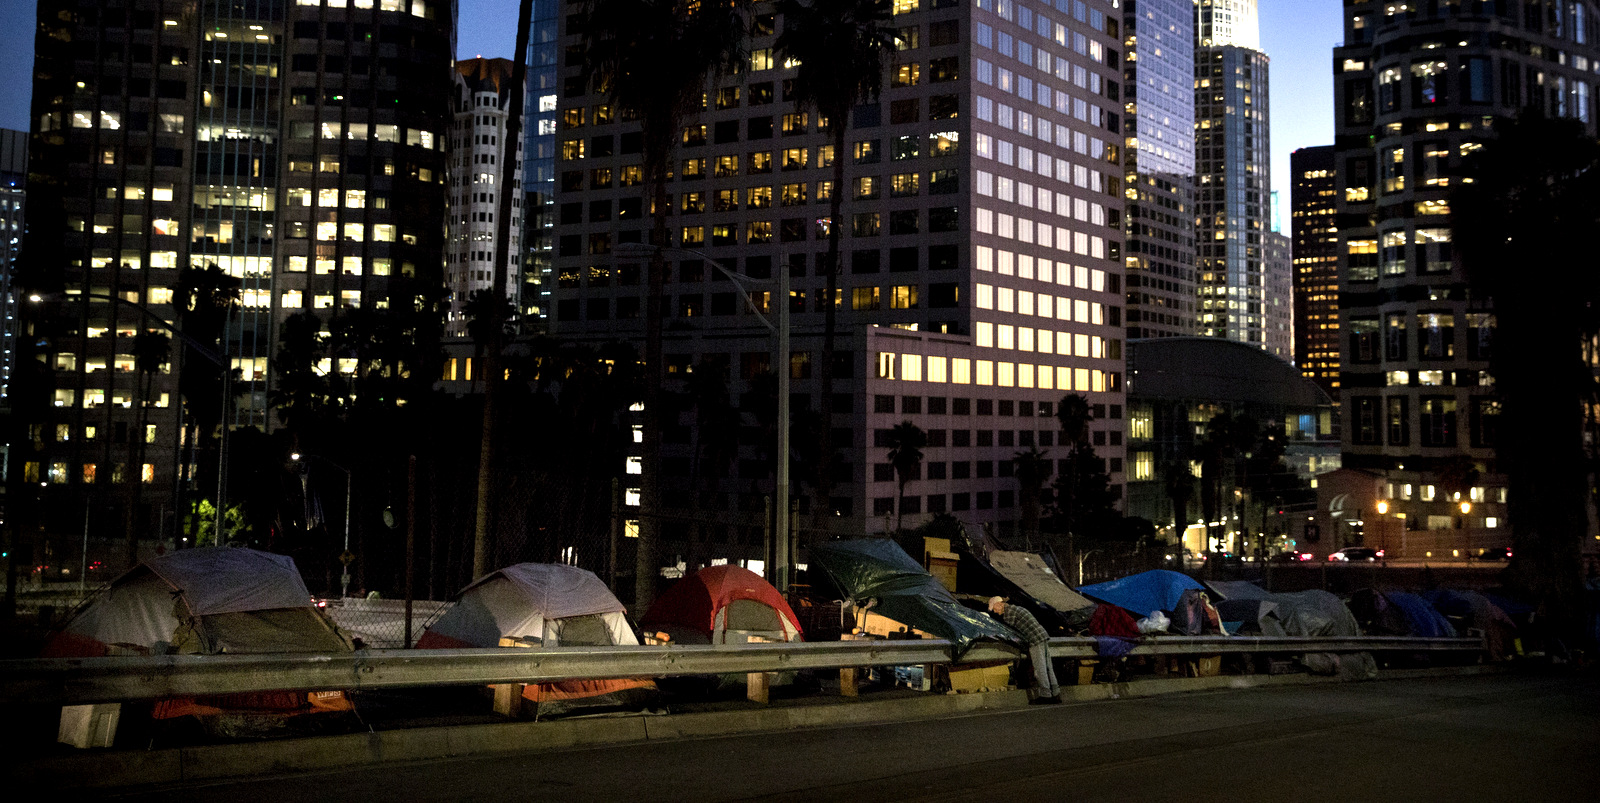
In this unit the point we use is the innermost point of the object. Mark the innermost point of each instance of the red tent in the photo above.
(720, 605)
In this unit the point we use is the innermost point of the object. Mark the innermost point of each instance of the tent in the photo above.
(210, 601)
(544, 605)
(878, 569)
(721, 605)
(1477, 611)
(1142, 593)
(1399, 613)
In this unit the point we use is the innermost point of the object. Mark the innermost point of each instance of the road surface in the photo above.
(1496, 737)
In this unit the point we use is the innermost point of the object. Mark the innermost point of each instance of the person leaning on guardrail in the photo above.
(1033, 634)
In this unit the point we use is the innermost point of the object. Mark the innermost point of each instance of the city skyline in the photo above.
(1301, 95)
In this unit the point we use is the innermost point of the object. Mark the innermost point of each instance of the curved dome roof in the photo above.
(1220, 370)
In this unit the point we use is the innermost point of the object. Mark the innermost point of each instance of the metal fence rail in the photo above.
(81, 681)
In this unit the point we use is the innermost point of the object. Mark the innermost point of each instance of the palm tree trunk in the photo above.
(823, 502)
(493, 373)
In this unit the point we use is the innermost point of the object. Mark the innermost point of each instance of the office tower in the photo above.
(295, 147)
(1417, 89)
(981, 275)
(13, 194)
(1232, 186)
(478, 150)
(1158, 160)
(539, 162)
(1313, 227)
(1278, 268)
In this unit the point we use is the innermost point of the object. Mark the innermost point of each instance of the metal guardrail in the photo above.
(81, 681)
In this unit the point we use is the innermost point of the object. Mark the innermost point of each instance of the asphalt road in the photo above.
(1489, 738)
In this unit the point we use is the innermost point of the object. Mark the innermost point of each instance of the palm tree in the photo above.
(651, 58)
(1033, 466)
(1534, 202)
(150, 352)
(905, 453)
(1074, 414)
(840, 46)
(1178, 478)
(208, 298)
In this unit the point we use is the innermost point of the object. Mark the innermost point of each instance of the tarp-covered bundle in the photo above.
(1308, 614)
(209, 601)
(1194, 615)
(721, 605)
(1143, 593)
(878, 569)
(549, 605)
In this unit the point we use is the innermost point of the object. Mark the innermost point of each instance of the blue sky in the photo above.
(1298, 34)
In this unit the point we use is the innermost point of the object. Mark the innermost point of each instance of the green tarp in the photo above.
(876, 568)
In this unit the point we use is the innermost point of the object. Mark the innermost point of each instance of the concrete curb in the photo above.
(125, 769)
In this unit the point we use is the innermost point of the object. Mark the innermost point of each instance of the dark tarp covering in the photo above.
(877, 568)
(1315, 614)
(1256, 617)
(1143, 593)
(1475, 610)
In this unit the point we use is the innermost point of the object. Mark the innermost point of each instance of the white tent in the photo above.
(551, 604)
(208, 600)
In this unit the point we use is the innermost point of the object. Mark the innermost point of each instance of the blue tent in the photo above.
(1425, 622)
(1156, 590)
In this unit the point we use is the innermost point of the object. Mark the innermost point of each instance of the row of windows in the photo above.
(965, 371)
(1377, 420)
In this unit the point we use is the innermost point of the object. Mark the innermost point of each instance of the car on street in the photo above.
(1357, 554)
(1495, 553)
(1293, 557)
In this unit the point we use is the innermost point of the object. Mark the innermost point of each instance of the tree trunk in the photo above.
(493, 373)
(822, 503)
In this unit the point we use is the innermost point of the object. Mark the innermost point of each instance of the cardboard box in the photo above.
(1086, 672)
(980, 677)
(1208, 666)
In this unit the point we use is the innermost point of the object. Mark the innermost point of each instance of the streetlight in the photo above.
(344, 557)
(1383, 531)
(203, 350)
(780, 364)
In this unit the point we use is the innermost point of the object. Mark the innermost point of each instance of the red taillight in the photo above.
(1508, 553)
(1380, 553)
(1306, 556)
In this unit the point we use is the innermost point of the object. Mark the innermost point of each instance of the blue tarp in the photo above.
(1157, 590)
(1425, 622)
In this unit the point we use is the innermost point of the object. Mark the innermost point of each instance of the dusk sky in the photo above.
(1297, 34)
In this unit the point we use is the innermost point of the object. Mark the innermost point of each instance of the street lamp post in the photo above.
(211, 356)
(780, 364)
(344, 578)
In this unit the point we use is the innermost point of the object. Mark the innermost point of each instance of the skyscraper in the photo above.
(1158, 159)
(982, 275)
(1417, 89)
(1233, 183)
(478, 147)
(297, 148)
(1313, 204)
(13, 197)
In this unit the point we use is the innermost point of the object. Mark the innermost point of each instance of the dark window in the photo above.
(945, 69)
(961, 437)
(1438, 421)
(1485, 422)
(883, 472)
(883, 404)
(960, 470)
(944, 107)
(960, 406)
(727, 131)
(759, 128)
(959, 502)
(1365, 430)
(902, 259)
(1399, 421)
(905, 111)
(864, 262)
(943, 219)
(985, 500)
(943, 296)
(947, 32)
(903, 221)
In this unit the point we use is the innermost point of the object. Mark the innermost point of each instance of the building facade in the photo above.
(1417, 89)
(13, 197)
(1158, 162)
(1233, 175)
(1278, 265)
(981, 250)
(539, 162)
(296, 148)
(478, 150)
(1313, 205)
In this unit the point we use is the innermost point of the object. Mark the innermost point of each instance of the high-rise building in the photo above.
(1418, 88)
(1313, 205)
(296, 147)
(478, 151)
(13, 195)
(539, 161)
(1233, 181)
(1158, 161)
(981, 272)
(1278, 267)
